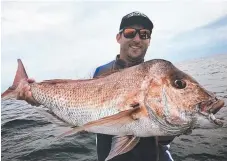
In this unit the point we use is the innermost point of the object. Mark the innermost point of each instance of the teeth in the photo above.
(134, 47)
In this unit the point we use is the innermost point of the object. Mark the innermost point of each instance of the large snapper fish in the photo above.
(151, 99)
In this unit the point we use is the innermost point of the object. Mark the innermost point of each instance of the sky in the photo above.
(69, 39)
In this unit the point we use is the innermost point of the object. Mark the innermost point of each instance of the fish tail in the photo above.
(21, 74)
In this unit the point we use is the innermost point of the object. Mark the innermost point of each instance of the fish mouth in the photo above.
(209, 108)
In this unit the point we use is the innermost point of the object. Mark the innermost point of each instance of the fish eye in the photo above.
(180, 84)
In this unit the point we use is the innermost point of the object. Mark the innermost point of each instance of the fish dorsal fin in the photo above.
(59, 81)
(111, 121)
(121, 145)
(55, 81)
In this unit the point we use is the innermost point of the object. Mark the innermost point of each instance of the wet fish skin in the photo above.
(151, 99)
(150, 84)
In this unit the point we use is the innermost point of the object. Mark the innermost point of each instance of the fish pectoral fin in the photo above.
(117, 119)
(121, 118)
(121, 145)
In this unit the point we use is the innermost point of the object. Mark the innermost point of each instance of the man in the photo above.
(134, 38)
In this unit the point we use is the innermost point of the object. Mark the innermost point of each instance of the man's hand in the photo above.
(25, 93)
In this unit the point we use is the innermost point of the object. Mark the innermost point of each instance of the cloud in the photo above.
(69, 39)
(197, 42)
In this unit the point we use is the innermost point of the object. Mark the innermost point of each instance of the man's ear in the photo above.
(118, 37)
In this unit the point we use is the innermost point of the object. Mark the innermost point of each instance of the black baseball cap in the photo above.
(136, 18)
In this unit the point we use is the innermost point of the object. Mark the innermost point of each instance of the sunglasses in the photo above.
(130, 33)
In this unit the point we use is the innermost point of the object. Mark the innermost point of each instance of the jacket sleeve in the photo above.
(96, 72)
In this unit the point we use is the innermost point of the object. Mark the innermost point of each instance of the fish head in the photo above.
(175, 99)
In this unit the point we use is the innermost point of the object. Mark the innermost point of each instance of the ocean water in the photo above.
(28, 135)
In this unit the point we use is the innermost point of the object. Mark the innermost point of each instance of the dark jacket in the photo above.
(146, 149)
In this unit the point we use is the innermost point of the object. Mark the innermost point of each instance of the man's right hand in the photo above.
(26, 94)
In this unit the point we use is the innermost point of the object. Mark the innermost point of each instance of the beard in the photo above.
(132, 54)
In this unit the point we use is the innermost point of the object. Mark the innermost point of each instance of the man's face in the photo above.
(132, 49)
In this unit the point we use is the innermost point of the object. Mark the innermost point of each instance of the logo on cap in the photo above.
(135, 14)
(136, 18)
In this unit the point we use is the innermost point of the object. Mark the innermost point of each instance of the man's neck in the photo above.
(127, 62)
